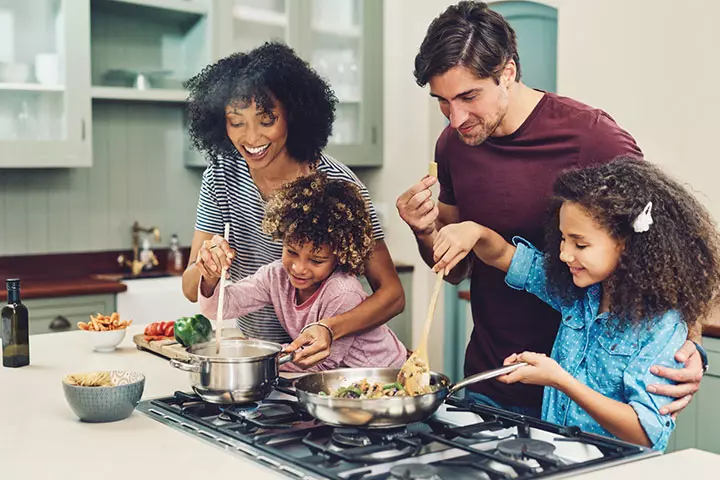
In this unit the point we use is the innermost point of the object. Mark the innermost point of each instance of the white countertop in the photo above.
(40, 437)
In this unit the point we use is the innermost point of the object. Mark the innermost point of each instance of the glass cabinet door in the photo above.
(44, 109)
(342, 52)
(259, 21)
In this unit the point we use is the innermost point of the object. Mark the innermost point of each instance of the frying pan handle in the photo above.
(486, 375)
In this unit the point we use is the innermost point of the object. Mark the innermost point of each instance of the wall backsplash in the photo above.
(137, 174)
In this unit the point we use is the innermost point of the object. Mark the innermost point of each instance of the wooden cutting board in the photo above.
(170, 348)
(165, 348)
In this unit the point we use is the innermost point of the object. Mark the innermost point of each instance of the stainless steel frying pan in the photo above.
(383, 412)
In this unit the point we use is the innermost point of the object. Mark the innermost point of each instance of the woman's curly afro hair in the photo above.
(268, 74)
(673, 265)
(316, 209)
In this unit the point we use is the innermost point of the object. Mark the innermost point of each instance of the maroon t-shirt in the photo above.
(505, 183)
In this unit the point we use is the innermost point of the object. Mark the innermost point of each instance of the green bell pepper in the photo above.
(192, 330)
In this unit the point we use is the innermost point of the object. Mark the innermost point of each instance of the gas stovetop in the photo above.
(459, 441)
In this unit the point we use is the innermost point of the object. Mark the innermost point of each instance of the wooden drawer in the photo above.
(43, 311)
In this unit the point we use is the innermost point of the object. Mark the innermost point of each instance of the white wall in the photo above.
(649, 64)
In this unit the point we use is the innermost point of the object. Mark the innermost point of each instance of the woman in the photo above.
(263, 118)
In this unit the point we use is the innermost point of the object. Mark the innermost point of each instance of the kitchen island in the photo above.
(40, 437)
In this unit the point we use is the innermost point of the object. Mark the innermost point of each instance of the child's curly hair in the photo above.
(316, 209)
(673, 265)
(269, 73)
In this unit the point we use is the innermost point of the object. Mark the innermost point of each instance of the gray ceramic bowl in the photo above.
(106, 404)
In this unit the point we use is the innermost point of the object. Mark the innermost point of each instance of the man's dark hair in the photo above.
(266, 74)
(471, 35)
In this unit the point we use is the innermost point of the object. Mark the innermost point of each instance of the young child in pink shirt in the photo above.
(327, 237)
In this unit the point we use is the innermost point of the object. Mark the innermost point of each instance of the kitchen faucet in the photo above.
(136, 265)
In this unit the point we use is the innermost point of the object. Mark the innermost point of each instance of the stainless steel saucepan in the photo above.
(242, 371)
(382, 412)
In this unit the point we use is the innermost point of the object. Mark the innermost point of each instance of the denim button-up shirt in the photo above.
(609, 355)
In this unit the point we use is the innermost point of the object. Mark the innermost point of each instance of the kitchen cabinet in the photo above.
(61, 314)
(401, 324)
(143, 52)
(342, 40)
(698, 426)
(45, 111)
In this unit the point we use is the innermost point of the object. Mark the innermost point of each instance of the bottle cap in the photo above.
(12, 284)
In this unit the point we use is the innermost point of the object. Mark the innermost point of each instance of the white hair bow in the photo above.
(643, 220)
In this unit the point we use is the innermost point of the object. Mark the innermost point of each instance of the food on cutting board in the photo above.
(92, 379)
(367, 390)
(103, 323)
(192, 330)
(160, 331)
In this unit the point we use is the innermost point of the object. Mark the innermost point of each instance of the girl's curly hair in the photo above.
(673, 265)
(316, 209)
(268, 74)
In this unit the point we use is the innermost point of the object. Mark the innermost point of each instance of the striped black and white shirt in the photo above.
(228, 194)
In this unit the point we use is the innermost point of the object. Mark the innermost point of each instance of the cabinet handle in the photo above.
(59, 323)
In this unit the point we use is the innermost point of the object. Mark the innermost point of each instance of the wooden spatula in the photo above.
(415, 372)
(221, 298)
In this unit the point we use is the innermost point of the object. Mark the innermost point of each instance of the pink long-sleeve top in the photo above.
(338, 294)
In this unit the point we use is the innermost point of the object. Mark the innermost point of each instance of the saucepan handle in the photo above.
(486, 375)
(185, 366)
(288, 357)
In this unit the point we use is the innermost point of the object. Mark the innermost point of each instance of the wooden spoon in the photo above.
(221, 298)
(415, 372)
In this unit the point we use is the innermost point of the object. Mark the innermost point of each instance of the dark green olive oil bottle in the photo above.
(15, 328)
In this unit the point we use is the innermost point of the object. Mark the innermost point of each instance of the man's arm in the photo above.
(424, 217)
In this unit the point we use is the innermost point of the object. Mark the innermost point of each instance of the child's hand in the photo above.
(541, 370)
(453, 242)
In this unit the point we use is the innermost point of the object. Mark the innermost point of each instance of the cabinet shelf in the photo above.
(179, 6)
(135, 95)
(257, 15)
(337, 30)
(32, 87)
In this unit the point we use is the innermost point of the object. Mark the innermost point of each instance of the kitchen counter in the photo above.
(40, 437)
(48, 288)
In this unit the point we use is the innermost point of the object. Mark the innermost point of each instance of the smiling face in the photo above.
(307, 269)
(474, 106)
(260, 136)
(588, 250)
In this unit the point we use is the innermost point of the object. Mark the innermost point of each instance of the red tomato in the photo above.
(170, 330)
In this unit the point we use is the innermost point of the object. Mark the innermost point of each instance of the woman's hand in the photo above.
(541, 370)
(453, 242)
(214, 254)
(311, 347)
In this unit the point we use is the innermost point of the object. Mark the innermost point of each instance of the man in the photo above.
(497, 160)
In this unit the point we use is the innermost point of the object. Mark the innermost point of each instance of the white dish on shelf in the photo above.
(14, 72)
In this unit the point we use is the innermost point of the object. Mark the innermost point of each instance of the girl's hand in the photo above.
(311, 347)
(453, 242)
(541, 370)
(213, 255)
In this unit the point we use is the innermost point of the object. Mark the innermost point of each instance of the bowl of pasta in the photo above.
(105, 331)
(105, 396)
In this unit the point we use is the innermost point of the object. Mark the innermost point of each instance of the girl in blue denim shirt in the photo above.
(632, 261)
